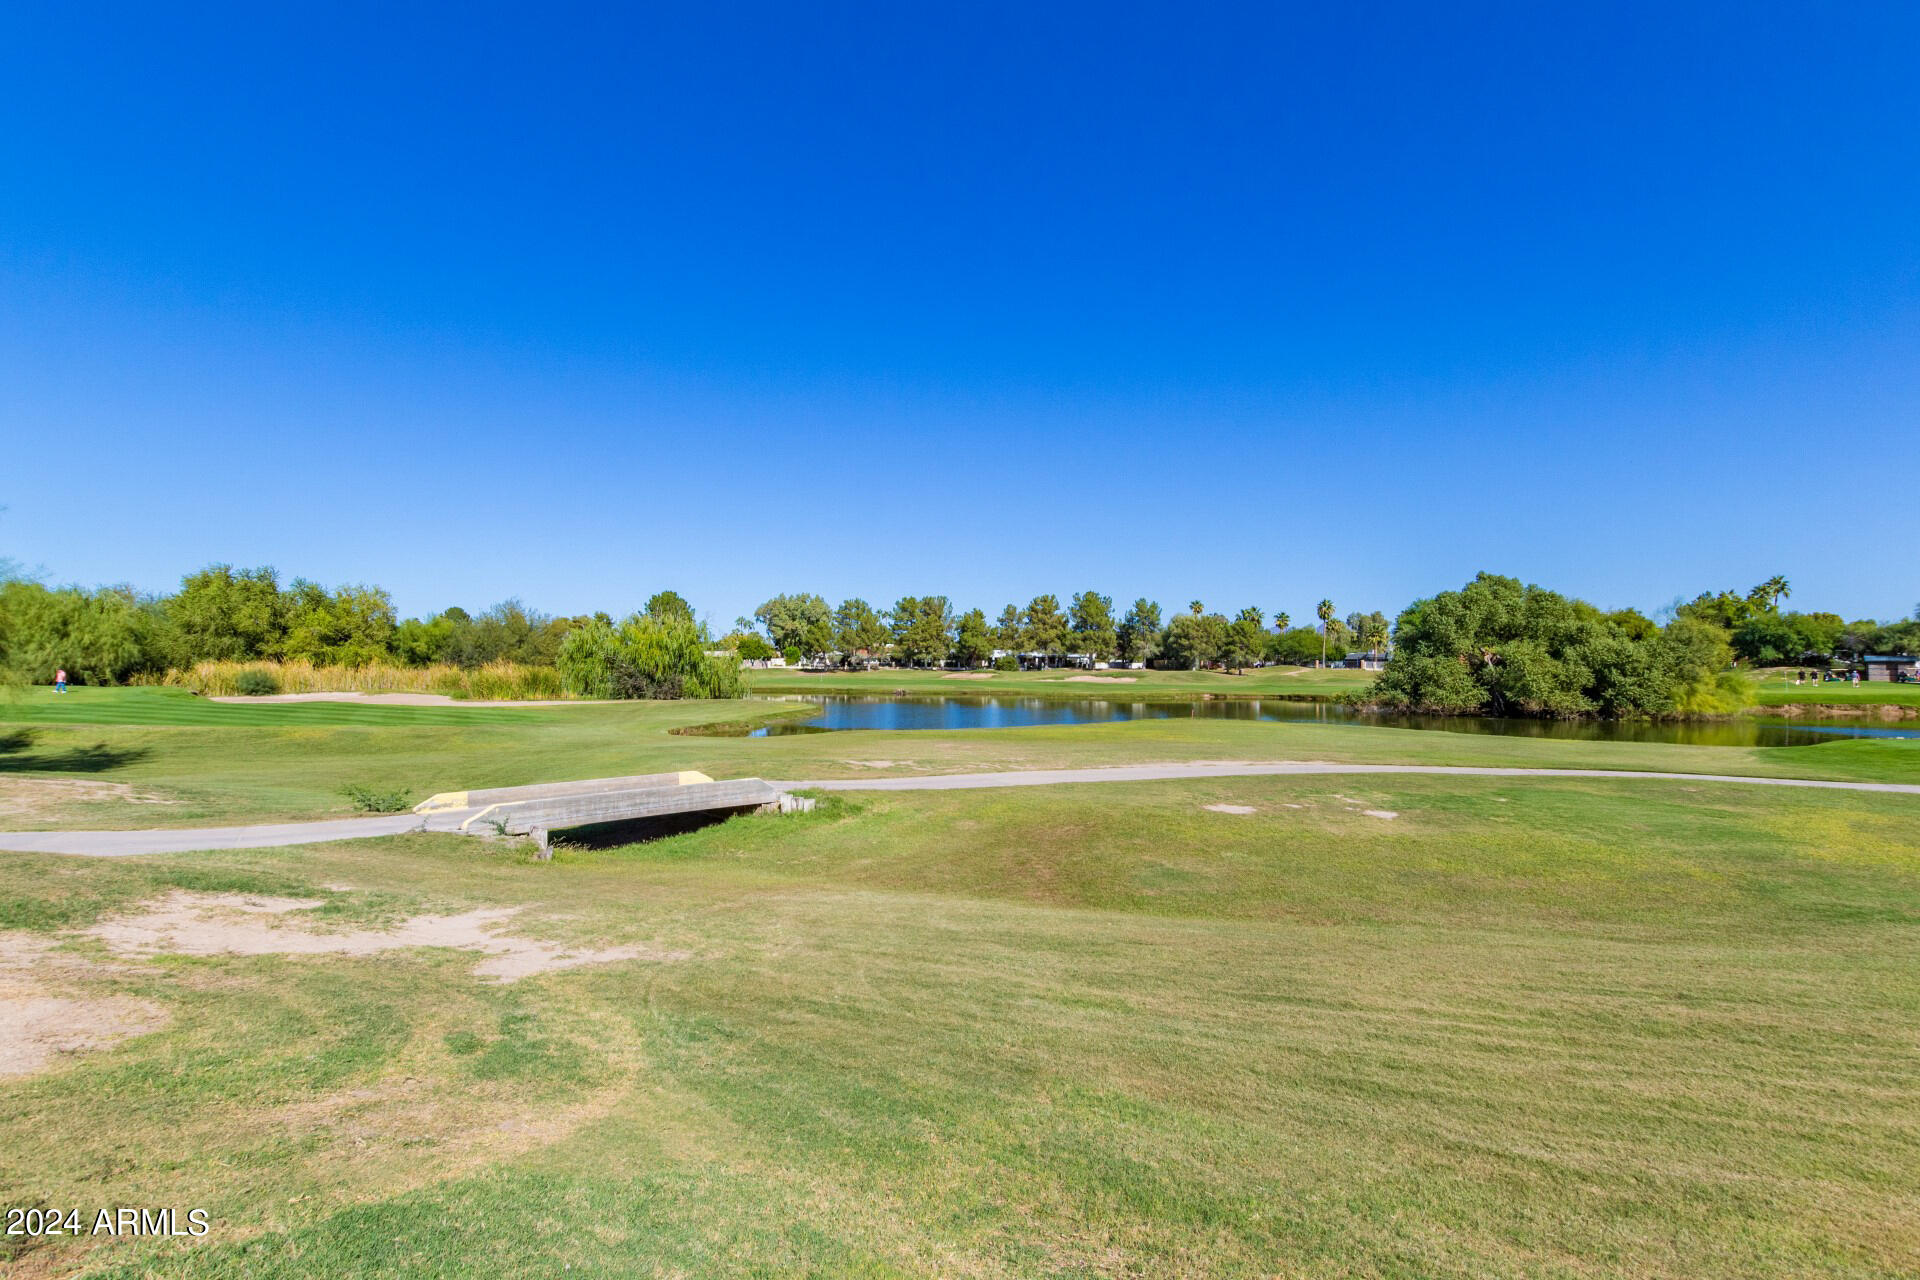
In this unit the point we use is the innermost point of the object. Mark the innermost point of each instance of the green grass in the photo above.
(1527, 1028)
(1305, 683)
(198, 762)
(1775, 688)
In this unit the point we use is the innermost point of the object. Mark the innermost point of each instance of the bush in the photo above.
(374, 800)
(645, 657)
(1496, 647)
(1006, 662)
(256, 684)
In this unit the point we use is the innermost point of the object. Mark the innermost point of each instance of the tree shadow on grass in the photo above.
(18, 756)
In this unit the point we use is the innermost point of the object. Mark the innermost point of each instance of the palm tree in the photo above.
(1281, 620)
(1324, 610)
(1376, 637)
(1197, 607)
(1769, 594)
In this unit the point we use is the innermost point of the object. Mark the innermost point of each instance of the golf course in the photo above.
(1313, 1025)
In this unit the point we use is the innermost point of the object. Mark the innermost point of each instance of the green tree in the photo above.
(1768, 640)
(1724, 609)
(1243, 639)
(1297, 646)
(1324, 611)
(750, 646)
(506, 632)
(922, 629)
(97, 637)
(803, 622)
(1500, 648)
(1138, 639)
(1193, 640)
(1045, 626)
(351, 626)
(858, 629)
(973, 639)
(645, 657)
(1091, 618)
(1768, 595)
(1009, 633)
(221, 615)
(666, 605)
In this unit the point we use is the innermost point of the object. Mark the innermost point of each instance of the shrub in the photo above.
(1498, 647)
(645, 657)
(1006, 662)
(256, 684)
(375, 800)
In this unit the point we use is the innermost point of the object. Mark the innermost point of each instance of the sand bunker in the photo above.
(1101, 679)
(207, 924)
(42, 1019)
(969, 675)
(1379, 813)
(1228, 808)
(41, 797)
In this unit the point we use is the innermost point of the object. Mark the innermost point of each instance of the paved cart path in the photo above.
(1262, 768)
(112, 844)
(120, 844)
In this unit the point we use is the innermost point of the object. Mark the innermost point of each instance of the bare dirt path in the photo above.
(114, 844)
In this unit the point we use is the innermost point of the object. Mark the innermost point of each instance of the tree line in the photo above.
(926, 631)
(109, 635)
(1495, 645)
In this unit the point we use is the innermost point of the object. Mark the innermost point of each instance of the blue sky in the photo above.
(1252, 304)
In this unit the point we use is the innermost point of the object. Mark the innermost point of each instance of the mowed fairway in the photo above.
(1776, 689)
(123, 758)
(1523, 1028)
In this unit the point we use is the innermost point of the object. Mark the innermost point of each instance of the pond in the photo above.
(836, 712)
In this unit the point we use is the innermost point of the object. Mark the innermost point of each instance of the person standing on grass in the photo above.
(60, 680)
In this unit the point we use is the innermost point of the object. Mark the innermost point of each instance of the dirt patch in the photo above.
(43, 1019)
(873, 764)
(45, 797)
(1102, 679)
(1229, 808)
(1380, 813)
(207, 924)
(1888, 711)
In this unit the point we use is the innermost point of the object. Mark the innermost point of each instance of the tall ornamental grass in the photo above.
(496, 681)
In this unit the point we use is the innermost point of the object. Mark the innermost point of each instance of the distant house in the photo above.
(1889, 667)
(1361, 660)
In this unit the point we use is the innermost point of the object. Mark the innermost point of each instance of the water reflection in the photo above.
(837, 712)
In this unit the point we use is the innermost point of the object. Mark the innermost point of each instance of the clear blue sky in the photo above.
(1254, 305)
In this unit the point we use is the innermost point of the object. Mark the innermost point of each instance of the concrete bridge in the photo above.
(533, 812)
(538, 810)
